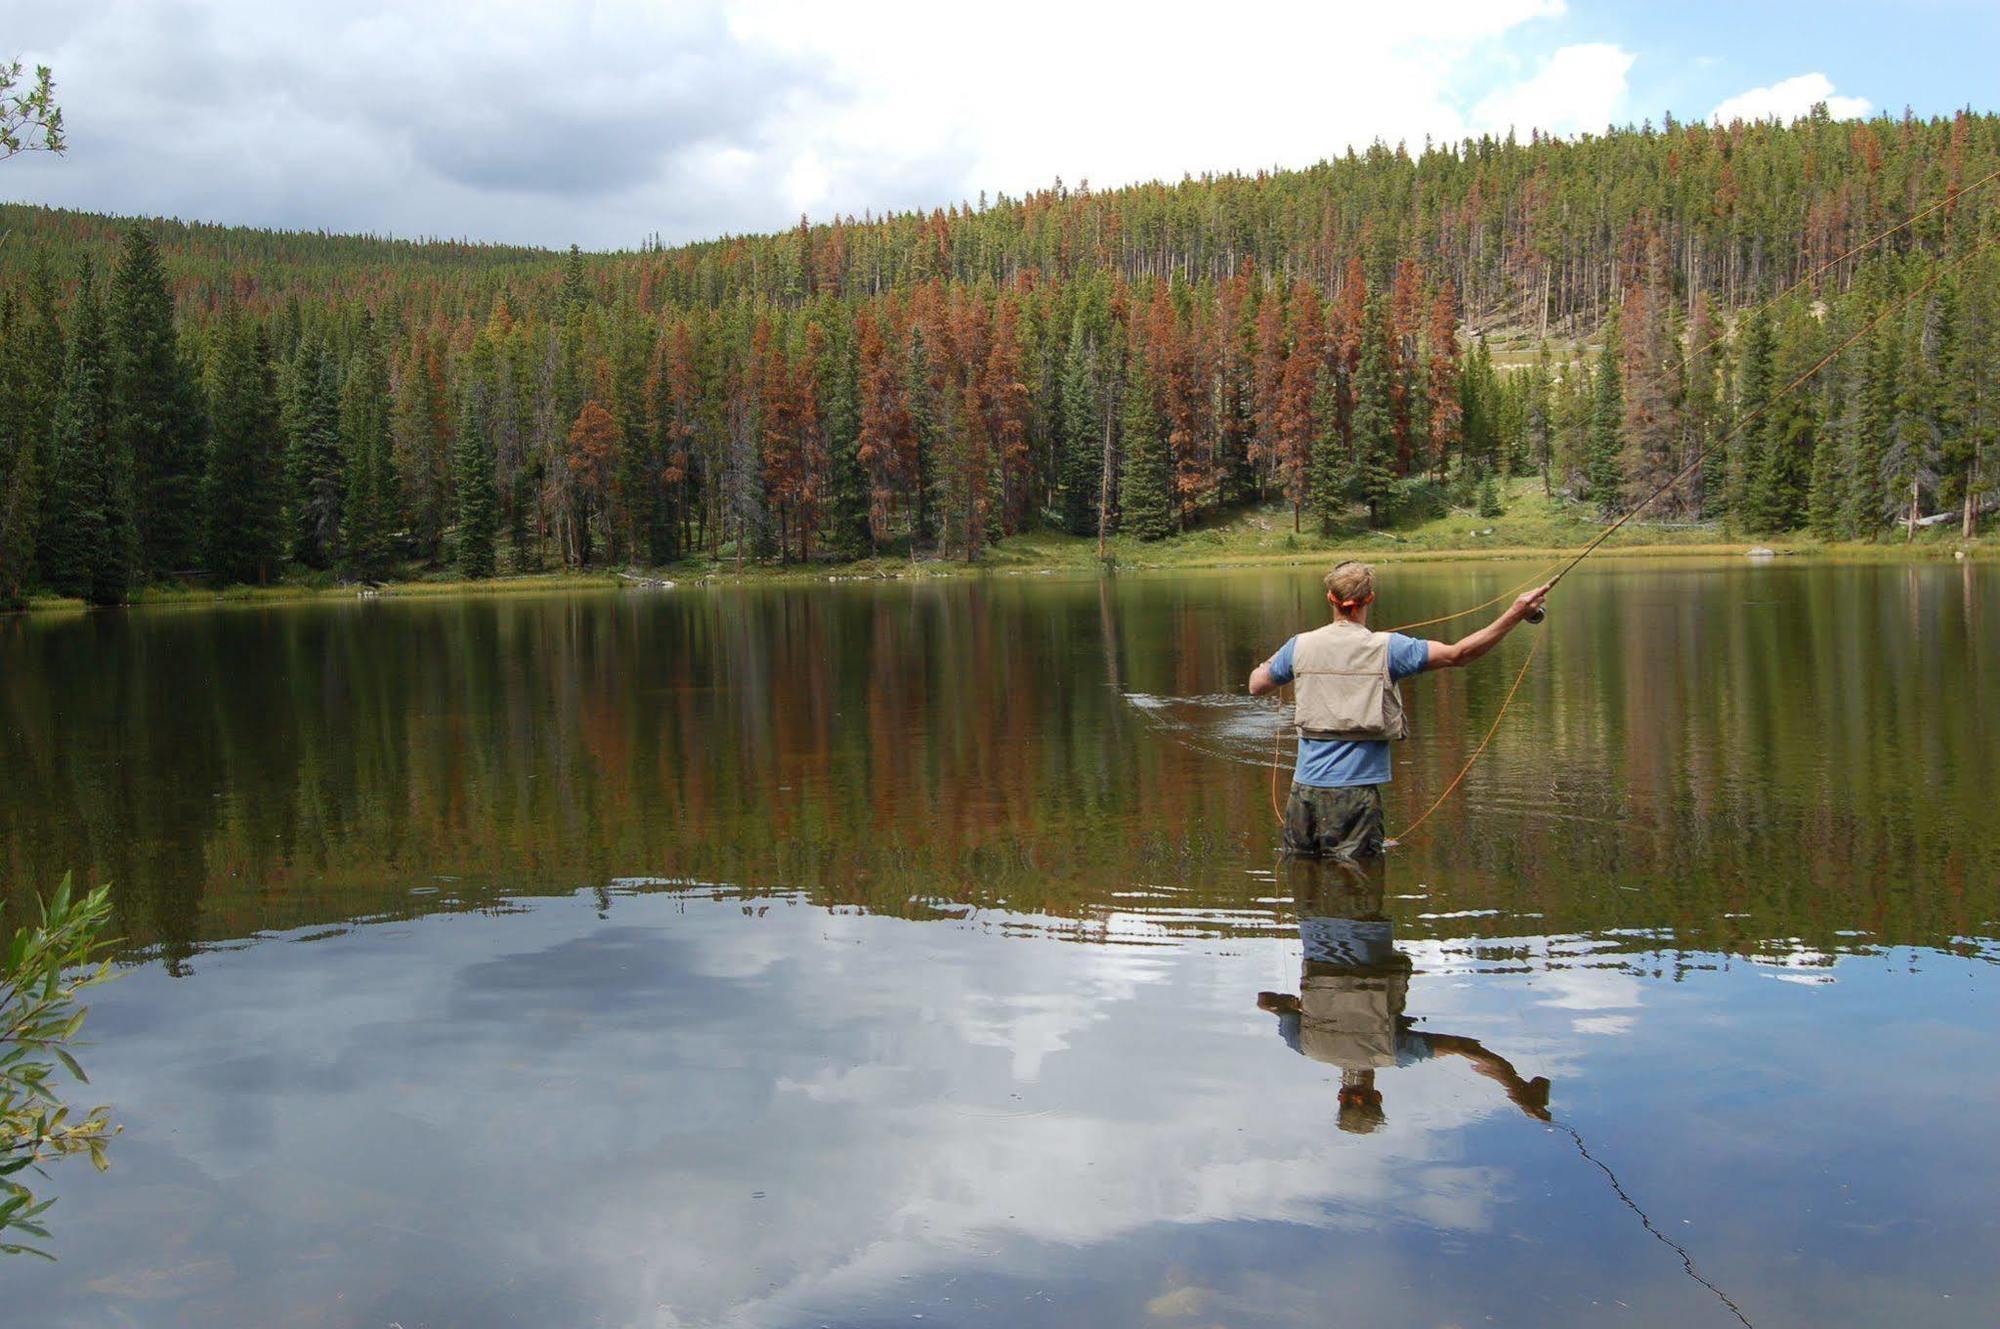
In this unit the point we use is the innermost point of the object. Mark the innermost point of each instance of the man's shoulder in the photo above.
(1407, 655)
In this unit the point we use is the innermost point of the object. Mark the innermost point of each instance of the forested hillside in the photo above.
(189, 400)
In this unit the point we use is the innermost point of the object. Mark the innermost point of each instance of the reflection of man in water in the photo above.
(1349, 707)
(1352, 988)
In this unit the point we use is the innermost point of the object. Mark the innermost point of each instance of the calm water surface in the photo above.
(856, 954)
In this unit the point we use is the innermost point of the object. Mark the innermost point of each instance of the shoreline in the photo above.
(1127, 558)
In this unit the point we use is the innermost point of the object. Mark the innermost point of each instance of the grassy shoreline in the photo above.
(1533, 527)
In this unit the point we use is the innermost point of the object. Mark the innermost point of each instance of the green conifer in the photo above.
(1603, 473)
(1745, 450)
(87, 544)
(243, 526)
(33, 354)
(1082, 420)
(478, 500)
(1146, 507)
(840, 415)
(1330, 474)
(368, 508)
(314, 474)
(1374, 423)
(158, 411)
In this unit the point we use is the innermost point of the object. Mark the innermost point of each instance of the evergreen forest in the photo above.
(1363, 341)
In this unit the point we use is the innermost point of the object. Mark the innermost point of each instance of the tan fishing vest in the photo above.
(1350, 1020)
(1343, 688)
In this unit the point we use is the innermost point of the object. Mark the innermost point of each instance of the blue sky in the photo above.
(546, 121)
(1932, 55)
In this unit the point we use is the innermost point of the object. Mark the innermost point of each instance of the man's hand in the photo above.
(1468, 649)
(1528, 602)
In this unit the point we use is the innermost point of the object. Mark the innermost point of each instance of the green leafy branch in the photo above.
(30, 120)
(42, 971)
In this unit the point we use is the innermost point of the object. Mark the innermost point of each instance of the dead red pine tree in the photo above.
(1647, 375)
(1406, 390)
(1005, 402)
(1295, 425)
(1446, 416)
(815, 460)
(1267, 380)
(1344, 334)
(885, 422)
(1177, 384)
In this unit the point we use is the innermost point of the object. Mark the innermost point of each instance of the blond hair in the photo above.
(1351, 584)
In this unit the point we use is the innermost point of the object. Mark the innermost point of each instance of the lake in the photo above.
(859, 954)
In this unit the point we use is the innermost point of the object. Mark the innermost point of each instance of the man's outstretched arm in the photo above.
(1261, 682)
(1467, 649)
(1531, 1096)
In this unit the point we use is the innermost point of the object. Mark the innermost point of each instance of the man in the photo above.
(1348, 708)
(1353, 986)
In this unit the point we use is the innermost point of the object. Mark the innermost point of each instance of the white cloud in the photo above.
(546, 122)
(1789, 99)
(1580, 89)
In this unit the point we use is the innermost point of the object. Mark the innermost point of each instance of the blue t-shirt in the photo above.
(1334, 763)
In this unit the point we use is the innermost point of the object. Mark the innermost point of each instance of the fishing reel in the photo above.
(1537, 614)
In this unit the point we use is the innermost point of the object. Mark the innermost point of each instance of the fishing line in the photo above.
(1687, 1261)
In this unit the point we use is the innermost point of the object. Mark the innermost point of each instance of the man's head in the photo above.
(1350, 588)
(1360, 1103)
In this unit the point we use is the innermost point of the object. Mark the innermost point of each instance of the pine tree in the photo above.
(1489, 497)
(1922, 410)
(839, 389)
(1539, 417)
(1004, 407)
(1293, 425)
(421, 425)
(478, 499)
(1826, 479)
(1473, 408)
(314, 474)
(928, 423)
(1332, 470)
(881, 445)
(87, 546)
(1745, 451)
(1778, 470)
(243, 531)
(1374, 422)
(1603, 473)
(1082, 432)
(575, 284)
(158, 414)
(368, 508)
(1648, 382)
(967, 473)
(1970, 379)
(1698, 403)
(636, 498)
(1867, 500)
(32, 350)
(1457, 421)
(1147, 508)
(1824, 492)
